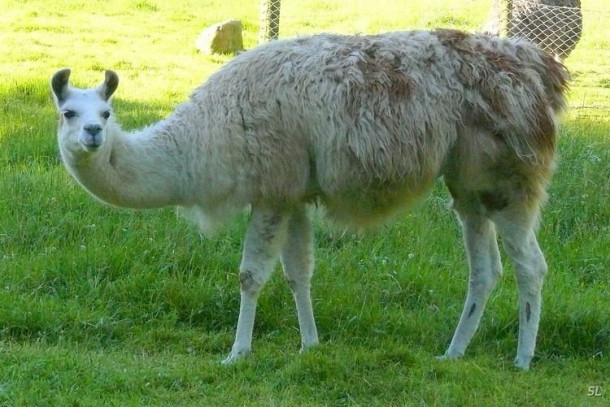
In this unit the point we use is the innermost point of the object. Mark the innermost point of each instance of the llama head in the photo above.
(84, 113)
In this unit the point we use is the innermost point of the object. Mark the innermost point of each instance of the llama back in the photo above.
(366, 123)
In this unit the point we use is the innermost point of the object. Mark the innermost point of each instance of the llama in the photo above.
(361, 125)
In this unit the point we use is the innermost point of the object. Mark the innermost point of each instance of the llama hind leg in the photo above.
(298, 264)
(264, 239)
(530, 268)
(485, 270)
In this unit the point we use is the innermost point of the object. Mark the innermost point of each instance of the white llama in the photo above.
(359, 124)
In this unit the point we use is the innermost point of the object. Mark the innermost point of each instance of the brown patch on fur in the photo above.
(381, 74)
(269, 229)
(491, 92)
(555, 78)
(450, 37)
(376, 86)
(500, 61)
(246, 280)
(400, 84)
(545, 136)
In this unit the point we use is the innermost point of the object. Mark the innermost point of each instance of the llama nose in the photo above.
(93, 129)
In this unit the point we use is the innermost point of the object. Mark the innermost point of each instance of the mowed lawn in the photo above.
(101, 306)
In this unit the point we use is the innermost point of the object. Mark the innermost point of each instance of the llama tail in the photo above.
(554, 75)
(521, 89)
(532, 127)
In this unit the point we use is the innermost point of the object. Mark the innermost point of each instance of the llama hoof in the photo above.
(235, 356)
(307, 346)
(450, 356)
(306, 349)
(523, 363)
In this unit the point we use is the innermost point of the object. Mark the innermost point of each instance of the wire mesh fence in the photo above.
(554, 25)
(270, 20)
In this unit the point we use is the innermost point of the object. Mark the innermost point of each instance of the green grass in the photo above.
(100, 306)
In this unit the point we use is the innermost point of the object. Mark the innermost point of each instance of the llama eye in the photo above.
(106, 114)
(68, 114)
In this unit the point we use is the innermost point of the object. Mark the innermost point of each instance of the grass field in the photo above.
(100, 306)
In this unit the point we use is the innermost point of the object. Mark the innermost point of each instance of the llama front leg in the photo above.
(264, 238)
(485, 270)
(298, 264)
(530, 268)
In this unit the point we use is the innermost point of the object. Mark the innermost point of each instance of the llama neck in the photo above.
(134, 170)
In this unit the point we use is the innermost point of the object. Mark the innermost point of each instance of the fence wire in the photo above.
(555, 25)
(556, 29)
(270, 21)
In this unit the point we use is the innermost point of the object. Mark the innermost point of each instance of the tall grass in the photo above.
(100, 306)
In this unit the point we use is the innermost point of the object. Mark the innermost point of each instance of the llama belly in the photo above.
(364, 207)
(365, 188)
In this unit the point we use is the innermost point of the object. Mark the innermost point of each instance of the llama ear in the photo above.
(110, 84)
(60, 85)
